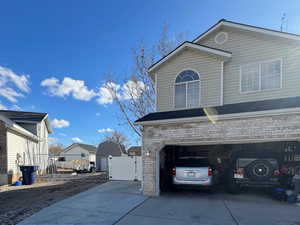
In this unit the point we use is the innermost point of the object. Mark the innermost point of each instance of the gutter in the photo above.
(22, 132)
(216, 118)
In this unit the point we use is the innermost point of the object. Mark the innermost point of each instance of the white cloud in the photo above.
(21, 81)
(56, 123)
(10, 94)
(13, 107)
(62, 134)
(12, 85)
(2, 107)
(132, 89)
(129, 90)
(105, 130)
(77, 140)
(107, 93)
(52, 140)
(98, 114)
(68, 86)
(16, 108)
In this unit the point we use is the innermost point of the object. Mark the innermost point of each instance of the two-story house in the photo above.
(234, 84)
(23, 141)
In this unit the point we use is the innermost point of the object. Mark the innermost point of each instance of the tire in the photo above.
(260, 170)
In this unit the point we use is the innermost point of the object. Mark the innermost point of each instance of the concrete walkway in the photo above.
(104, 204)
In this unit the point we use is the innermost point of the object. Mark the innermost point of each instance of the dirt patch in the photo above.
(17, 203)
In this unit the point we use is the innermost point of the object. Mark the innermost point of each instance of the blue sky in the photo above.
(82, 40)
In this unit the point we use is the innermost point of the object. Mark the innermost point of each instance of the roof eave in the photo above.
(215, 118)
(248, 28)
(225, 54)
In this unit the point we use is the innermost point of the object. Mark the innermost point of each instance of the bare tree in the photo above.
(136, 98)
(117, 137)
(55, 149)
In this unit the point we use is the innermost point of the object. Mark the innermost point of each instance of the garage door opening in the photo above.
(234, 165)
(187, 163)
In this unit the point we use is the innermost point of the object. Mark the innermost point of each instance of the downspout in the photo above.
(222, 84)
(155, 92)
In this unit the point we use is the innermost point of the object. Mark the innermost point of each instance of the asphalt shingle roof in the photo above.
(244, 107)
(19, 115)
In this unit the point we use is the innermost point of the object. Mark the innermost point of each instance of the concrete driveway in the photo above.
(104, 205)
(121, 203)
(192, 207)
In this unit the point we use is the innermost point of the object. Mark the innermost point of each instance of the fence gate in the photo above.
(125, 168)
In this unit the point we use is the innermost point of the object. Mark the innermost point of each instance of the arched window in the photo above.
(187, 90)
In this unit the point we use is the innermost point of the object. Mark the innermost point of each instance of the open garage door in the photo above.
(233, 165)
(185, 165)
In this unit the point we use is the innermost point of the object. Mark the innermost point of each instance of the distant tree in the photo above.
(138, 95)
(117, 137)
(55, 149)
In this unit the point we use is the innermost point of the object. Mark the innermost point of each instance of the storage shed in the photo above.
(106, 149)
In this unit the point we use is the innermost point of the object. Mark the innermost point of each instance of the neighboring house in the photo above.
(106, 149)
(234, 84)
(134, 151)
(23, 141)
(76, 153)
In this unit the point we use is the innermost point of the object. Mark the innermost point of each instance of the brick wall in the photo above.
(3, 149)
(249, 130)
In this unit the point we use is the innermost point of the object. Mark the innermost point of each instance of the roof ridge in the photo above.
(241, 24)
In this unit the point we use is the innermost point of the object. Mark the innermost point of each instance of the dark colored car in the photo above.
(254, 172)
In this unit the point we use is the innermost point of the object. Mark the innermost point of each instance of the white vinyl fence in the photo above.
(125, 168)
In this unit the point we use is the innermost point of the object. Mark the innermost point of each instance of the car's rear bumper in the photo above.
(207, 182)
(248, 182)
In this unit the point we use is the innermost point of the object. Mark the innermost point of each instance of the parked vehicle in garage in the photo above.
(257, 172)
(193, 171)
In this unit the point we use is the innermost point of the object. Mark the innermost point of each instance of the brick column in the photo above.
(3, 148)
(151, 166)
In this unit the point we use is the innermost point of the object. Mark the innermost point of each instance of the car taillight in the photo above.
(174, 171)
(276, 172)
(210, 172)
(239, 171)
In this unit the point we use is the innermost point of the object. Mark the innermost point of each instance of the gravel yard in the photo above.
(17, 203)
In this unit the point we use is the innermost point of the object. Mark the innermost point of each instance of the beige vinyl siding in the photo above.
(22, 150)
(249, 47)
(206, 65)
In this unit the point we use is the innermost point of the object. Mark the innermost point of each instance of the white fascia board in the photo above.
(16, 128)
(48, 124)
(248, 28)
(216, 118)
(193, 46)
(11, 125)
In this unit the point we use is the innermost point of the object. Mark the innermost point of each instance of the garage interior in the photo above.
(224, 158)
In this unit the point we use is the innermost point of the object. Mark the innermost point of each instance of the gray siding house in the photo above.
(234, 84)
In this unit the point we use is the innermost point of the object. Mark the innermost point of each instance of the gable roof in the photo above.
(89, 148)
(185, 45)
(134, 150)
(247, 27)
(20, 116)
(26, 116)
(245, 107)
(108, 148)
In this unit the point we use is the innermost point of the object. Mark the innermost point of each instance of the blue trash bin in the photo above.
(29, 174)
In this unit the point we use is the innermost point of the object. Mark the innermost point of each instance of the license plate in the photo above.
(191, 174)
(239, 176)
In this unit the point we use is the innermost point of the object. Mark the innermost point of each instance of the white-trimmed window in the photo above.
(261, 76)
(187, 90)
